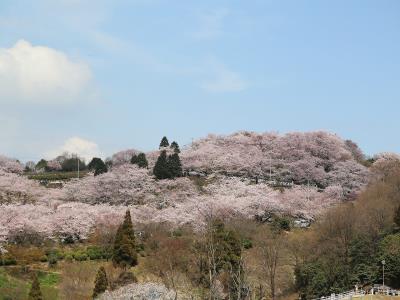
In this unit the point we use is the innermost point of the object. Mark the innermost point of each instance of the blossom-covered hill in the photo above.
(323, 168)
(319, 158)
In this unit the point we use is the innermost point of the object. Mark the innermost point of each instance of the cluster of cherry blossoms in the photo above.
(59, 221)
(323, 168)
(319, 158)
(10, 165)
(16, 188)
(148, 290)
(127, 185)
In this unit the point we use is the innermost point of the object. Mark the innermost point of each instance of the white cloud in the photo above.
(38, 74)
(76, 145)
(224, 80)
(211, 24)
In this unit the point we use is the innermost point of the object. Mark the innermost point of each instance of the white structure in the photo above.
(376, 289)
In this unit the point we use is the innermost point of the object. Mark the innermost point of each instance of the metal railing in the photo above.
(353, 294)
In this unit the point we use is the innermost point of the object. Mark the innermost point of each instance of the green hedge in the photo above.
(51, 176)
(7, 260)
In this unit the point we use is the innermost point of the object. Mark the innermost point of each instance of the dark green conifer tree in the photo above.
(164, 142)
(161, 168)
(124, 252)
(142, 161)
(134, 159)
(35, 293)
(174, 165)
(175, 146)
(100, 283)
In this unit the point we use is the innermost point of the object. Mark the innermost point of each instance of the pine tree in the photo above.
(140, 160)
(134, 159)
(174, 165)
(35, 293)
(161, 168)
(100, 283)
(164, 142)
(175, 146)
(124, 252)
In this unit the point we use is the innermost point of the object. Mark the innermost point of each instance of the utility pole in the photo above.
(270, 168)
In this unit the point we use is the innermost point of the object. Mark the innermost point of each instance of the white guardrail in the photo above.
(352, 294)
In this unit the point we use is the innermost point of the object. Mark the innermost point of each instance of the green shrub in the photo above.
(53, 256)
(52, 260)
(281, 223)
(7, 260)
(139, 247)
(177, 232)
(50, 176)
(68, 257)
(95, 252)
(55, 252)
(247, 243)
(80, 255)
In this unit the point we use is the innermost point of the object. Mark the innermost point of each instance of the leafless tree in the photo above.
(270, 248)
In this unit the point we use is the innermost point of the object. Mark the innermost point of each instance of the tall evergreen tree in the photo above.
(140, 160)
(35, 293)
(174, 166)
(100, 283)
(164, 142)
(134, 159)
(161, 168)
(124, 252)
(175, 146)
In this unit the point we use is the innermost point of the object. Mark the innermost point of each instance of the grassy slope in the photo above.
(15, 285)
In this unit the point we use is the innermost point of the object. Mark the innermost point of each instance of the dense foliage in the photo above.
(351, 241)
(98, 166)
(124, 252)
(71, 164)
(101, 282)
(168, 167)
(140, 160)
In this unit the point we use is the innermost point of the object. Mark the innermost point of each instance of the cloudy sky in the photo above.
(95, 77)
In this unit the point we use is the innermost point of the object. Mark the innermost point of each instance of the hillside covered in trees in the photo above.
(236, 175)
(249, 193)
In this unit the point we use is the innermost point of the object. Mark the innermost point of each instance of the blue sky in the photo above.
(101, 76)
